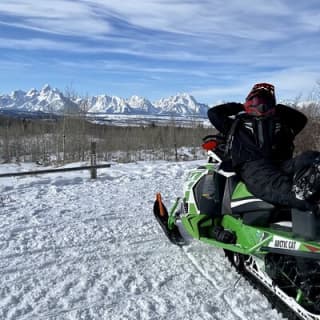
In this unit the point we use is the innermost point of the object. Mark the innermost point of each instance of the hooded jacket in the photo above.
(270, 138)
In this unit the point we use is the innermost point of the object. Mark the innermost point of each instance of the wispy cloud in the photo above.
(243, 19)
(38, 43)
(57, 16)
(215, 48)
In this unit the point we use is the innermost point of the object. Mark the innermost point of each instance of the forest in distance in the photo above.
(68, 139)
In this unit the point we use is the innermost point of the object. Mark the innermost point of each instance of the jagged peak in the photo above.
(46, 87)
(138, 99)
(32, 92)
(180, 96)
(17, 93)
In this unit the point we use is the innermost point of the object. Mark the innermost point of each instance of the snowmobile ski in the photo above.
(171, 230)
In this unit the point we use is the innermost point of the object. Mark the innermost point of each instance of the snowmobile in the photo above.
(278, 247)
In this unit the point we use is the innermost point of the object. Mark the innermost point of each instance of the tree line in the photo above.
(68, 139)
(65, 139)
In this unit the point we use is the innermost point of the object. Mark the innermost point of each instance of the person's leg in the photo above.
(299, 163)
(266, 181)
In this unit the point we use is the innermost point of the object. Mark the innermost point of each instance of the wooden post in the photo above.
(93, 160)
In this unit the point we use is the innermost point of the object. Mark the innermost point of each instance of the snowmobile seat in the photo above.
(238, 201)
(281, 214)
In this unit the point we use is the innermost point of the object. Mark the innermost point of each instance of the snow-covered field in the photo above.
(75, 248)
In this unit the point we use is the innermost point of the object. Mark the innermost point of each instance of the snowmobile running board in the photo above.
(170, 230)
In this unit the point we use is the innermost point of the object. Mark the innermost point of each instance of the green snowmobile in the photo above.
(279, 247)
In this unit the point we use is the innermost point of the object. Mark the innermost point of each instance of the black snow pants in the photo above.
(273, 182)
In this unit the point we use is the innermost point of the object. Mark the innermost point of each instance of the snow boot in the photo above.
(307, 182)
(223, 235)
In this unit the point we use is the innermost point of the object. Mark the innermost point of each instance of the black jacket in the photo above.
(258, 137)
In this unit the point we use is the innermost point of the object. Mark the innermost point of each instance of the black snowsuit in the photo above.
(262, 149)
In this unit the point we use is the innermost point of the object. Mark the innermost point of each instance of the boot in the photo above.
(307, 183)
(222, 235)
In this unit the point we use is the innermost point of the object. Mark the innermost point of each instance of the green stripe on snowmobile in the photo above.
(241, 192)
(194, 176)
(209, 166)
(193, 209)
(299, 297)
(311, 246)
(193, 223)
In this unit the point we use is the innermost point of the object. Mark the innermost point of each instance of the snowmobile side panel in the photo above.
(196, 224)
(294, 253)
(199, 189)
(248, 236)
(193, 209)
(200, 227)
(241, 192)
(250, 240)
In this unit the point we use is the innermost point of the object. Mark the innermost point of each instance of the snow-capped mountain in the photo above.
(46, 100)
(142, 105)
(106, 104)
(51, 100)
(181, 104)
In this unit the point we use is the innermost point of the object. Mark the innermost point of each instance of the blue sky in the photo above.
(213, 49)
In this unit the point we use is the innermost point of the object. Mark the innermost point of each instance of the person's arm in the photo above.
(295, 119)
(219, 115)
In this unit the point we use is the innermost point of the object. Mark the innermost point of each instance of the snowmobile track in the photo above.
(273, 299)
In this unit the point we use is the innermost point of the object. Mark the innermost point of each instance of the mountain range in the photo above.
(52, 100)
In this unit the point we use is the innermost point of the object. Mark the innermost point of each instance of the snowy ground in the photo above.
(75, 248)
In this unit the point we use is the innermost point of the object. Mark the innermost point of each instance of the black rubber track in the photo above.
(273, 299)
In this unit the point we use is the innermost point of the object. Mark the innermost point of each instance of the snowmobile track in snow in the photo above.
(221, 291)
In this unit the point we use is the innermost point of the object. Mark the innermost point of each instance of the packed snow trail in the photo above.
(76, 248)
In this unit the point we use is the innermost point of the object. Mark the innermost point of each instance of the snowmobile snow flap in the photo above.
(170, 229)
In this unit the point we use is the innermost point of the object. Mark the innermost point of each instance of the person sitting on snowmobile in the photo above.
(260, 135)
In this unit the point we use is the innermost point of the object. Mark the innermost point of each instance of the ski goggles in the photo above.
(260, 106)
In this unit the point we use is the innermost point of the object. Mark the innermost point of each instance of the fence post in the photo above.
(93, 160)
